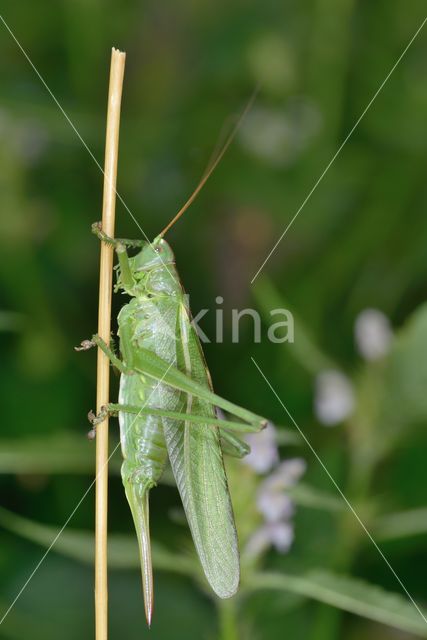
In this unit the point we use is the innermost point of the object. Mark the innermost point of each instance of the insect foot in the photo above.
(85, 345)
(97, 230)
(95, 419)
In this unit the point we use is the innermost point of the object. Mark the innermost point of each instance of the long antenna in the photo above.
(209, 171)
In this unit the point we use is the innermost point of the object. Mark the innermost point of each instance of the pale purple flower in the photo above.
(272, 501)
(264, 452)
(373, 334)
(290, 471)
(285, 475)
(334, 397)
(274, 505)
(280, 535)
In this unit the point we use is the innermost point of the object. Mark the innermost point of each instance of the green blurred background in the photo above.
(359, 242)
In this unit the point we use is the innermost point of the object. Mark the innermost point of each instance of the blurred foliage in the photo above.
(358, 242)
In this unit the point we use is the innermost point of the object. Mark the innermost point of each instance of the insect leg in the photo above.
(114, 242)
(155, 367)
(99, 342)
(113, 409)
(233, 446)
(120, 245)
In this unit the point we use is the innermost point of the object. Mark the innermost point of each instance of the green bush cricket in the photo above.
(167, 410)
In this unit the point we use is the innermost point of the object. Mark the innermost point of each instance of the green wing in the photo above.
(196, 459)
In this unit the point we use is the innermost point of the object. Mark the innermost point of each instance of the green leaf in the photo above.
(349, 594)
(287, 437)
(406, 374)
(304, 348)
(402, 524)
(79, 545)
(305, 495)
(63, 452)
(391, 393)
(11, 321)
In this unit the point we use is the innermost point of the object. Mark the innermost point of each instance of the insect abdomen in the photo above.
(143, 444)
